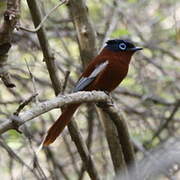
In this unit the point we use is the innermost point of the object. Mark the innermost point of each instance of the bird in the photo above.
(104, 73)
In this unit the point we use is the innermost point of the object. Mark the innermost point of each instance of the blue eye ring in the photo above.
(122, 46)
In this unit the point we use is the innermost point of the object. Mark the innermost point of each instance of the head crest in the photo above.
(120, 45)
(118, 41)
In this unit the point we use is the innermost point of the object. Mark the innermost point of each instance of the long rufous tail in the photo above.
(55, 130)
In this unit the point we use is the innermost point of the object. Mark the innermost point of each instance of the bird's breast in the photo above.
(111, 76)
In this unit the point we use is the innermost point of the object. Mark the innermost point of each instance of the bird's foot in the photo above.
(16, 123)
(106, 92)
(105, 104)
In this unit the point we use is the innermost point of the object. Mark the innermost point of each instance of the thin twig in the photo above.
(33, 81)
(167, 121)
(16, 157)
(111, 24)
(44, 43)
(65, 81)
(59, 167)
(44, 19)
(73, 160)
(24, 103)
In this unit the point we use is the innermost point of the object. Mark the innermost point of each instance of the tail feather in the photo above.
(55, 130)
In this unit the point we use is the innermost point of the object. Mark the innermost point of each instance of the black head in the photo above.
(121, 45)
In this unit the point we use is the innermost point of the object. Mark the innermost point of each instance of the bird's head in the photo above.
(119, 45)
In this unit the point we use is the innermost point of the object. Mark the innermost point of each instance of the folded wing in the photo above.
(85, 81)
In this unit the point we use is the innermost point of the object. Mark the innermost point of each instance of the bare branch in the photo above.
(56, 102)
(24, 103)
(47, 52)
(85, 32)
(120, 122)
(83, 151)
(44, 19)
(11, 20)
(16, 157)
(114, 143)
(166, 122)
(65, 81)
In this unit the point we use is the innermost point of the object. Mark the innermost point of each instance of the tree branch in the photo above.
(46, 106)
(17, 158)
(83, 151)
(165, 123)
(120, 122)
(44, 19)
(11, 18)
(115, 147)
(47, 53)
(86, 34)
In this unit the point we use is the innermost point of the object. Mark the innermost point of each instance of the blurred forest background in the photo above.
(149, 96)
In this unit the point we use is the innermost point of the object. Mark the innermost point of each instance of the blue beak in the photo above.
(135, 49)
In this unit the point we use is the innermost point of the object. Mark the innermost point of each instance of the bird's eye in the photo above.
(122, 46)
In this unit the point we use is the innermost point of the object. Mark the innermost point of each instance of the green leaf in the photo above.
(132, 1)
(119, 33)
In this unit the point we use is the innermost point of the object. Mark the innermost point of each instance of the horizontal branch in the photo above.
(43, 107)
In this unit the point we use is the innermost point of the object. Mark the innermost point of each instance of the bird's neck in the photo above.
(124, 57)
